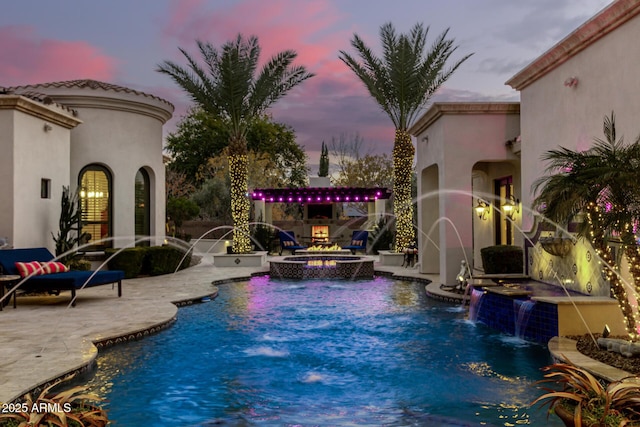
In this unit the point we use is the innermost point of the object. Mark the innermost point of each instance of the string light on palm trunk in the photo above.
(403, 154)
(240, 205)
(598, 241)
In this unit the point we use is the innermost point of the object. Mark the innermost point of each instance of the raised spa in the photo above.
(322, 266)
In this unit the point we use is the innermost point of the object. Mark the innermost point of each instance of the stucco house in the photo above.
(103, 140)
(472, 153)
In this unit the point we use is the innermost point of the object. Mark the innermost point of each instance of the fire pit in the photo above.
(322, 266)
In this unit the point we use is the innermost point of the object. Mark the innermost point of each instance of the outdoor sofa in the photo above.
(48, 280)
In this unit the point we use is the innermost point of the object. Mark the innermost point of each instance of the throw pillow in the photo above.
(28, 268)
(51, 267)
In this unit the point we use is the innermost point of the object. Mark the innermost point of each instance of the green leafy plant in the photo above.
(69, 408)
(147, 261)
(180, 209)
(165, 260)
(262, 235)
(583, 400)
(69, 233)
(79, 264)
(382, 235)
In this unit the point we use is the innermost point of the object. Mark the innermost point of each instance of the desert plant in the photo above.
(69, 233)
(73, 407)
(587, 400)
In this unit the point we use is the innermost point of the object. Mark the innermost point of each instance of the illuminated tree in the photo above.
(200, 137)
(602, 183)
(402, 81)
(228, 87)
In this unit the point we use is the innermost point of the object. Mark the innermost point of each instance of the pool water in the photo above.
(323, 353)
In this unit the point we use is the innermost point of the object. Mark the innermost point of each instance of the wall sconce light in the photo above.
(571, 81)
(511, 207)
(482, 209)
(47, 127)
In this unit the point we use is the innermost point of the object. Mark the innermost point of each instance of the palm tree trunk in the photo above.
(599, 243)
(632, 253)
(403, 153)
(239, 174)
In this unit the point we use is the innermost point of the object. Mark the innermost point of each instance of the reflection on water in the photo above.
(269, 352)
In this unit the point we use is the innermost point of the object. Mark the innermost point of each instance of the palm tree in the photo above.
(601, 182)
(228, 87)
(402, 81)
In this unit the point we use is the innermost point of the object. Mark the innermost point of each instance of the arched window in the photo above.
(142, 206)
(95, 203)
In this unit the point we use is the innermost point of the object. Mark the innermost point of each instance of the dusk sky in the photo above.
(123, 41)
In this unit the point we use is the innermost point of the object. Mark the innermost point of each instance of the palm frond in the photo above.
(405, 77)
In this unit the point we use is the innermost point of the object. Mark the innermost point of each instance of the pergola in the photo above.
(373, 196)
(320, 194)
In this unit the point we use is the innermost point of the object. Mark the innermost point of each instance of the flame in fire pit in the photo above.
(320, 248)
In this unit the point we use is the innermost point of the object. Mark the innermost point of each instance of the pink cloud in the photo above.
(333, 102)
(28, 59)
(315, 34)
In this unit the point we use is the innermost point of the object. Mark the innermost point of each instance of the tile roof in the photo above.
(87, 83)
(36, 96)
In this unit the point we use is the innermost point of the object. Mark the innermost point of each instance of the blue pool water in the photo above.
(323, 353)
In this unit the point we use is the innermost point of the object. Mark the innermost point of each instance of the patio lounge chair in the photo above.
(288, 242)
(47, 280)
(358, 241)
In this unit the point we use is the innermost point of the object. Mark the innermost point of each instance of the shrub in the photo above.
(502, 259)
(147, 261)
(382, 235)
(80, 264)
(262, 236)
(164, 260)
(129, 260)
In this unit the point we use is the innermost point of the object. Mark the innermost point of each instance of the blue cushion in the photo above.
(9, 257)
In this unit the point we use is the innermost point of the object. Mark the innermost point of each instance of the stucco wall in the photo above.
(6, 173)
(455, 137)
(38, 154)
(35, 145)
(124, 143)
(557, 115)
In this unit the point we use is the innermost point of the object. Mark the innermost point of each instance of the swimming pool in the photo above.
(322, 352)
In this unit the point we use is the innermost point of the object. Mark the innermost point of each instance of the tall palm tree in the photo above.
(601, 182)
(228, 87)
(402, 81)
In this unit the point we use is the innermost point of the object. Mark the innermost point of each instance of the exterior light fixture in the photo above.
(482, 209)
(571, 82)
(510, 207)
